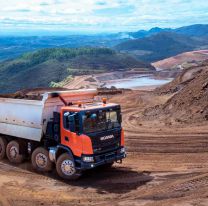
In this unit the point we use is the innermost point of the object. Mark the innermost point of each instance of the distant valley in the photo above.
(152, 45)
(14, 46)
(42, 61)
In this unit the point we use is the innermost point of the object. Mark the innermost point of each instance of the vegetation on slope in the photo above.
(40, 68)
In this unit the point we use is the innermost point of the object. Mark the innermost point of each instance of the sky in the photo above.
(97, 16)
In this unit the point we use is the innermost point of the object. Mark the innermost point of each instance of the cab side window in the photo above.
(73, 126)
(66, 120)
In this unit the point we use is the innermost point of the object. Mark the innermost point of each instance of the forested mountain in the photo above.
(161, 45)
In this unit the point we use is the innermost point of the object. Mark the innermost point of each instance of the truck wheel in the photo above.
(13, 152)
(3, 145)
(40, 160)
(65, 167)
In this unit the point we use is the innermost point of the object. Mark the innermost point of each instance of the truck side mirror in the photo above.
(120, 118)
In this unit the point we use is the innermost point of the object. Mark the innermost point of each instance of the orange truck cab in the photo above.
(92, 135)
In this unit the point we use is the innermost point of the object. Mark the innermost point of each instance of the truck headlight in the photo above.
(122, 150)
(88, 159)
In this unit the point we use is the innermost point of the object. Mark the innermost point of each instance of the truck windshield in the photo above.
(95, 121)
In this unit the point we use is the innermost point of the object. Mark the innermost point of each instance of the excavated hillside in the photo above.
(189, 100)
(183, 60)
(182, 79)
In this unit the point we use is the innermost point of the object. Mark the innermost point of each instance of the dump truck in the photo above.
(67, 130)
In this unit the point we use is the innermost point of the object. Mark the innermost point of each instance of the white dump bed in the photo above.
(28, 118)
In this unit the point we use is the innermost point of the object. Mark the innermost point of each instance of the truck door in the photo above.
(69, 134)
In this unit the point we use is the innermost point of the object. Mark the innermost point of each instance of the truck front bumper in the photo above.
(101, 159)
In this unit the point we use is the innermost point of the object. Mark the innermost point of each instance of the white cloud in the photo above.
(100, 14)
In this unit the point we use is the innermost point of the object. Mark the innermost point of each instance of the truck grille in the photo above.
(106, 142)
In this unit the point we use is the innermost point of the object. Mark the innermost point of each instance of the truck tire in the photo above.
(41, 161)
(3, 145)
(13, 152)
(65, 167)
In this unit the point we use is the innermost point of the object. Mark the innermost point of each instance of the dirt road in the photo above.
(166, 165)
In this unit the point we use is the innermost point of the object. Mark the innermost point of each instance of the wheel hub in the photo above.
(67, 167)
(14, 152)
(41, 160)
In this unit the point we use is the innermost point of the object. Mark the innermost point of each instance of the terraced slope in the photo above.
(183, 60)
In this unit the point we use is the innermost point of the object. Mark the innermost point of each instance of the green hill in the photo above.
(161, 46)
(40, 68)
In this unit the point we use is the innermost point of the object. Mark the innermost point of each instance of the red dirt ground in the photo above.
(167, 163)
